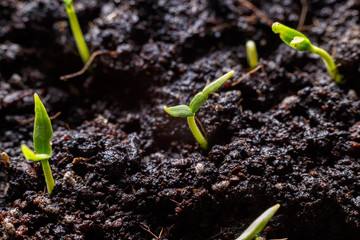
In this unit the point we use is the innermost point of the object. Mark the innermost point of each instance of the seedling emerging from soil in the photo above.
(300, 42)
(257, 226)
(42, 135)
(199, 99)
(251, 54)
(75, 27)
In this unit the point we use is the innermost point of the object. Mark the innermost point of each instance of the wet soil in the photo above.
(124, 169)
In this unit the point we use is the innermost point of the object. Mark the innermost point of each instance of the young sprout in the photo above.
(41, 137)
(258, 225)
(251, 54)
(198, 100)
(300, 42)
(75, 27)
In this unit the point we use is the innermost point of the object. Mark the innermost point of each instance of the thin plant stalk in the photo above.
(251, 54)
(48, 175)
(329, 63)
(196, 132)
(78, 35)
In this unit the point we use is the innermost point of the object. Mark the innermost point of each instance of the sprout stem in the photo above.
(198, 100)
(48, 175)
(329, 63)
(75, 27)
(251, 54)
(196, 132)
(300, 42)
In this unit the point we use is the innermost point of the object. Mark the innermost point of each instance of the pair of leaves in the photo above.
(42, 134)
(198, 100)
(291, 37)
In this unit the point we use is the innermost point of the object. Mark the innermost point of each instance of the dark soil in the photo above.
(124, 168)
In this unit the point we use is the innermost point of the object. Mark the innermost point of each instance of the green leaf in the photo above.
(301, 44)
(287, 34)
(201, 97)
(212, 87)
(198, 101)
(258, 225)
(42, 128)
(30, 155)
(179, 111)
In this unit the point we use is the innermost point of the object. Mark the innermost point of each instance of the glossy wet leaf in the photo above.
(212, 87)
(258, 225)
(30, 155)
(286, 33)
(179, 111)
(201, 97)
(198, 101)
(42, 128)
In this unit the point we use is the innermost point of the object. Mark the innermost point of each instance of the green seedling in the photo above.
(251, 54)
(258, 225)
(41, 137)
(198, 100)
(75, 27)
(300, 42)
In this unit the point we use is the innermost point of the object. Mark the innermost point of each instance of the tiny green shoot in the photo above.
(78, 35)
(300, 42)
(258, 225)
(41, 137)
(251, 54)
(198, 100)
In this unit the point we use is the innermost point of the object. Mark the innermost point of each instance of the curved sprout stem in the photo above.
(329, 63)
(197, 133)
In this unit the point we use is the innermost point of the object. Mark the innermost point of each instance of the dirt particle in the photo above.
(355, 131)
(79, 159)
(220, 186)
(199, 168)
(21, 230)
(288, 101)
(8, 228)
(69, 218)
(69, 178)
(4, 158)
(279, 186)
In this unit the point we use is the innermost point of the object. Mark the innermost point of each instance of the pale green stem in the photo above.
(48, 176)
(251, 54)
(329, 63)
(79, 38)
(196, 132)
